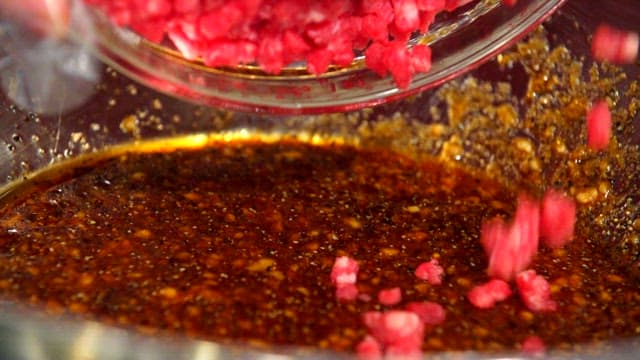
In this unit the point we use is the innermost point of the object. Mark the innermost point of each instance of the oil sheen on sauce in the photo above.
(235, 241)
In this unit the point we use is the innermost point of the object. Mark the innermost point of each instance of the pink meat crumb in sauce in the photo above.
(615, 45)
(557, 219)
(429, 312)
(430, 271)
(347, 292)
(390, 296)
(535, 291)
(399, 332)
(275, 33)
(344, 271)
(344, 275)
(486, 295)
(511, 247)
(533, 345)
(369, 349)
(599, 125)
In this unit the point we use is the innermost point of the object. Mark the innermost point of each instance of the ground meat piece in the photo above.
(344, 271)
(535, 291)
(406, 16)
(615, 45)
(319, 61)
(421, 58)
(188, 49)
(400, 332)
(186, 6)
(454, 4)
(430, 271)
(344, 275)
(557, 219)
(347, 292)
(397, 59)
(533, 345)
(431, 5)
(511, 247)
(429, 312)
(153, 30)
(599, 125)
(390, 296)
(270, 53)
(375, 59)
(486, 295)
(369, 349)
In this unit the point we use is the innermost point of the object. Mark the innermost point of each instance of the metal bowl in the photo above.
(123, 111)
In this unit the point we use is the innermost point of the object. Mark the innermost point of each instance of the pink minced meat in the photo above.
(430, 313)
(486, 295)
(557, 219)
(402, 63)
(511, 247)
(430, 271)
(369, 349)
(344, 271)
(399, 332)
(347, 292)
(599, 125)
(615, 45)
(535, 292)
(274, 33)
(390, 297)
(533, 345)
(344, 275)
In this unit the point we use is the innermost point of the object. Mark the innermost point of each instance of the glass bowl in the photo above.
(122, 111)
(460, 41)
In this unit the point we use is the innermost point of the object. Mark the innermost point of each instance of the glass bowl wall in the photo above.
(460, 42)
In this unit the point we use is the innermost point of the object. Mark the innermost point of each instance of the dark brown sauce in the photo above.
(236, 242)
